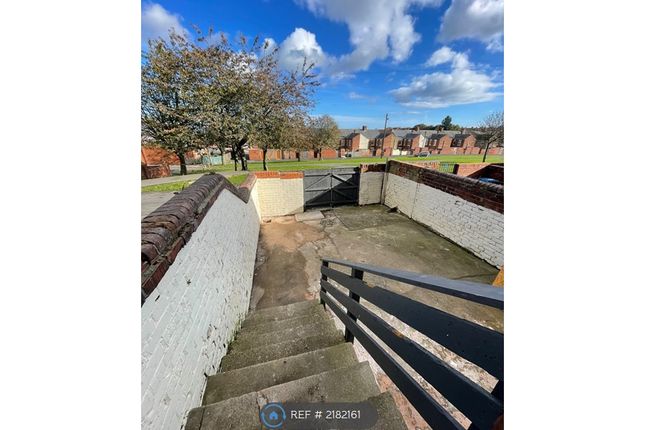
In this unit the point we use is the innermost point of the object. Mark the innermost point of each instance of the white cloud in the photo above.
(463, 85)
(474, 19)
(379, 29)
(298, 46)
(446, 55)
(156, 22)
(353, 95)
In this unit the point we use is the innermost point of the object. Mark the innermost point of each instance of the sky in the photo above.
(416, 60)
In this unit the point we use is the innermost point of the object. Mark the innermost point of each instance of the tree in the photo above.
(324, 133)
(423, 126)
(248, 98)
(167, 97)
(492, 128)
(447, 123)
(215, 92)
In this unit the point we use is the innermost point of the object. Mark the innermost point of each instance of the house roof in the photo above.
(348, 133)
(413, 135)
(405, 133)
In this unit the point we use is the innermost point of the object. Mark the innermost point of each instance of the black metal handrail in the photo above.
(477, 344)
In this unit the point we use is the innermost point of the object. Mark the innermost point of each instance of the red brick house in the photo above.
(438, 142)
(411, 143)
(354, 142)
(464, 140)
(386, 142)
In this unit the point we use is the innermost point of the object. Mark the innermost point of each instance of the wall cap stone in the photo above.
(168, 228)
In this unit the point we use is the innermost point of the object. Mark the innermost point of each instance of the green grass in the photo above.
(238, 179)
(180, 185)
(167, 188)
(349, 162)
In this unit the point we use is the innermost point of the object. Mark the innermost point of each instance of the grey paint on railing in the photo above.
(477, 404)
(472, 291)
(478, 344)
(427, 407)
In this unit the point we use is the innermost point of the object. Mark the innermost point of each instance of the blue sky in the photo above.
(417, 60)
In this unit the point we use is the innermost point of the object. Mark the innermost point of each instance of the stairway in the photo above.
(284, 354)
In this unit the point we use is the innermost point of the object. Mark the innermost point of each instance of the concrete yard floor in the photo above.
(288, 271)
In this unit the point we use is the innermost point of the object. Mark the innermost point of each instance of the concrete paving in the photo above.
(189, 177)
(169, 179)
(151, 201)
(289, 255)
(288, 271)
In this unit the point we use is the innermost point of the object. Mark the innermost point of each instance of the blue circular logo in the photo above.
(273, 415)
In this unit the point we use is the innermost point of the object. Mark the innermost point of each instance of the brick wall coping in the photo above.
(372, 167)
(169, 227)
(273, 174)
(484, 194)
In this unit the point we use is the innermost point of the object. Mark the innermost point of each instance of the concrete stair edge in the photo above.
(266, 327)
(222, 386)
(277, 313)
(248, 357)
(254, 340)
(353, 383)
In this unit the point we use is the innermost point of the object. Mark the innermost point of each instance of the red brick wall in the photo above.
(157, 171)
(154, 155)
(255, 154)
(329, 153)
(279, 175)
(469, 169)
(483, 194)
(368, 167)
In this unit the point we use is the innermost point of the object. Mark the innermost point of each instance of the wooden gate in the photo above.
(329, 188)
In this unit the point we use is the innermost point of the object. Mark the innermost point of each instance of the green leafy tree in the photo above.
(324, 133)
(447, 123)
(168, 105)
(216, 92)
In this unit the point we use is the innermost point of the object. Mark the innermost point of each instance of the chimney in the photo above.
(364, 128)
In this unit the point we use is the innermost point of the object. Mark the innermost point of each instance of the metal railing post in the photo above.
(358, 274)
(323, 278)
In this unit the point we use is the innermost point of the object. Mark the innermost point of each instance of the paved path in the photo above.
(189, 177)
(169, 179)
(151, 201)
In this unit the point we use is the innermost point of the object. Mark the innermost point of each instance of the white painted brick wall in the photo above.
(280, 196)
(476, 228)
(400, 193)
(369, 191)
(189, 319)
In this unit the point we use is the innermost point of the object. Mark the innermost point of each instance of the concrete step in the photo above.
(317, 314)
(277, 313)
(262, 354)
(389, 417)
(242, 413)
(260, 376)
(253, 339)
(349, 384)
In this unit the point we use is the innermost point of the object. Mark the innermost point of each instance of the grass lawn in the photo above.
(349, 162)
(237, 179)
(166, 188)
(180, 185)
